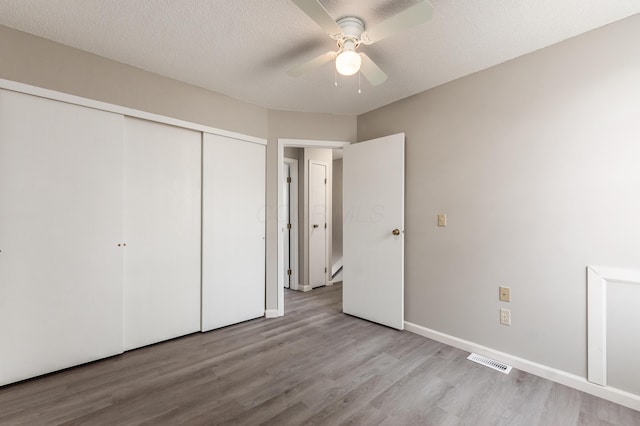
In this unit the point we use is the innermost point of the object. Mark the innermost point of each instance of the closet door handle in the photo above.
(315, 225)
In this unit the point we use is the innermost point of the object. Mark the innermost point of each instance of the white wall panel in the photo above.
(162, 232)
(61, 176)
(233, 245)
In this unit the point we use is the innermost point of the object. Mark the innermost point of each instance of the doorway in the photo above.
(282, 215)
(373, 230)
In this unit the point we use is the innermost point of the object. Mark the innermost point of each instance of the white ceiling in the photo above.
(243, 48)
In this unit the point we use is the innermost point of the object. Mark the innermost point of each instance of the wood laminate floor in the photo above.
(313, 366)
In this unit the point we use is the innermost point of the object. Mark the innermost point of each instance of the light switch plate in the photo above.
(442, 219)
(505, 294)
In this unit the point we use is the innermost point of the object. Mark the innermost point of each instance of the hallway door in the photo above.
(317, 224)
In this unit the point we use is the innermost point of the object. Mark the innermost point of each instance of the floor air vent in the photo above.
(491, 363)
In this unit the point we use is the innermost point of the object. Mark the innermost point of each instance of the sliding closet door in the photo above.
(233, 245)
(61, 170)
(162, 232)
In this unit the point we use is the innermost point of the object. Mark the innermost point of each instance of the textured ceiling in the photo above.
(243, 48)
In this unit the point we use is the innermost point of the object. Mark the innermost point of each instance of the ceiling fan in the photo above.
(350, 32)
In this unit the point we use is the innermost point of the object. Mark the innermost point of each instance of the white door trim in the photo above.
(300, 143)
(598, 279)
(293, 247)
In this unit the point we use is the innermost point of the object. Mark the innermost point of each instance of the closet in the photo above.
(113, 227)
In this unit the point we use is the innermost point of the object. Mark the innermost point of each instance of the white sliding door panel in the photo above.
(61, 177)
(233, 245)
(162, 232)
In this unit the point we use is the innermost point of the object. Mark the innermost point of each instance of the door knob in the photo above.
(396, 231)
(315, 225)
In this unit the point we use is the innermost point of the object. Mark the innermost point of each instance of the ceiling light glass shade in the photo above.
(348, 62)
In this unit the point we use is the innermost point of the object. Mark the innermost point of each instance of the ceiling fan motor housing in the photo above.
(352, 27)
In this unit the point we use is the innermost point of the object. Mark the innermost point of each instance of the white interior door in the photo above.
(317, 224)
(162, 232)
(373, 275)
(61, 170)
(233, 231)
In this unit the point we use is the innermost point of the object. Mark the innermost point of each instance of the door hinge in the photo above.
(288, 179)
(289, 272)
(289, 226)
(325, 226)
(325, 269)
(325, 181)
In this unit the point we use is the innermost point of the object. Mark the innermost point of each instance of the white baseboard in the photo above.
(305, 288)
(580, 383)
(271, 313)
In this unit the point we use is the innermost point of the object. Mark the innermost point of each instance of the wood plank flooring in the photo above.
(314, 366)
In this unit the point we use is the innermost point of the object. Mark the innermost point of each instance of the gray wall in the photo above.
(43, 63)
(537, 164)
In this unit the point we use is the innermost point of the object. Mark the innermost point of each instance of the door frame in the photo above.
(293, 213)
(296, 143)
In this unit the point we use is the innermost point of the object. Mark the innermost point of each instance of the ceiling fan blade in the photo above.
(371, 71)
(312, 64)
(319, 14)
(415, 15)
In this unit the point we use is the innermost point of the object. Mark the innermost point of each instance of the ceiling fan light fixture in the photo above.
(348, 62)
(349, 33)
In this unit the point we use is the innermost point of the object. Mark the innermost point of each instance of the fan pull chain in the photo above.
(359, 85)
(335, 77)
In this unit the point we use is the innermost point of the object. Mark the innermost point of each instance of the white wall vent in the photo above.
(491, 363)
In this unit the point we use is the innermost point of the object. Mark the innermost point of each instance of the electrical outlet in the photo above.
(505, 294)
(442, 219)
(505, 316)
